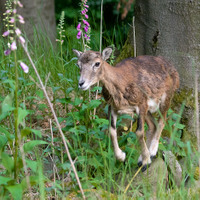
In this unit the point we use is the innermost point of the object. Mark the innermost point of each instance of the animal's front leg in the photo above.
(120, 155)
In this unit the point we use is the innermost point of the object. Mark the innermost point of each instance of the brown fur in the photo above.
(138, 79)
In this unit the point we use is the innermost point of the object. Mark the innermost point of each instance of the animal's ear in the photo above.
(107, 53)
(78, 53)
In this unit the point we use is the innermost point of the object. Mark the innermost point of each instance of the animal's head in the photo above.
(91, 66)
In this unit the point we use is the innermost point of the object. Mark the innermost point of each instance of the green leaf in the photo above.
(94, 162)
(94, 103)
(33, 181)
(7, 162)
(30, 145)
(40, 94)
(77, 101)
(4, 180)
(96, 88)
(32, 164)
(21, 115)
(26, 131)
(37, 133)
(180, 126)
(11, 83)
(3, 141)
(16, 191)
(6, 106)
(9, 136)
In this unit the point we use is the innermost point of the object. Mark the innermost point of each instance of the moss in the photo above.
(186, 96)
(127, 51)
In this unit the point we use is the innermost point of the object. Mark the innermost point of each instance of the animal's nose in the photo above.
(81, 83)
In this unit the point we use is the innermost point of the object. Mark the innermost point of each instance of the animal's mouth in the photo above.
(84, 87)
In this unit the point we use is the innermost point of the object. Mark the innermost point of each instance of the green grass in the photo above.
(86, 134)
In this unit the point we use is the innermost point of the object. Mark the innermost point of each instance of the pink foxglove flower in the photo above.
(22, 21)
(78, 27)
(86, 16)
(86, 6)
(79, 35)
(12, 20)
(20, 17)
(86, 29)
(7, 52)
(17, 31)
(86, 23)
(13, 46)
(14, 11)
(8, 11)
(22, 40)
(20, 4)
(24, 67)
(6, 33)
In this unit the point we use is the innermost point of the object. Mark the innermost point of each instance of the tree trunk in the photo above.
(39, 15)
(170, 28)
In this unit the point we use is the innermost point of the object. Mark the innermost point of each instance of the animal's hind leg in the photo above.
(120, 155)
(144, 158)
(153, 148)
(151, 128)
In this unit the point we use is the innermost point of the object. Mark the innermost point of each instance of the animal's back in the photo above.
(150, 71)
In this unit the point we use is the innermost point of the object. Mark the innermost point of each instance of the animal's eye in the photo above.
(97, 64)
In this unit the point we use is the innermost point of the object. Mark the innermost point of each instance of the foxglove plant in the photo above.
(83, 26)
(12, 32)
(12, 19)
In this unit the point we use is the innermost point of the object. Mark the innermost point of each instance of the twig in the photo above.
(197, 115)
(132, 179)
(56, 119)
(134, 40)
(135, 54)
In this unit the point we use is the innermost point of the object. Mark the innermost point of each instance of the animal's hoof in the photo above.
(121, 157)
(139, 163)
(145, 167)
(153, 157)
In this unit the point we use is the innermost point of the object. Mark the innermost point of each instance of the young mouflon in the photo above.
(144, 84)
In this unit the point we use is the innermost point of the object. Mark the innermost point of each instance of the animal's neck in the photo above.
(113, 84)
(109, 77)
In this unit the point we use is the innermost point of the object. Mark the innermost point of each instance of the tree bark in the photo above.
(39, 16)
(170, 28)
